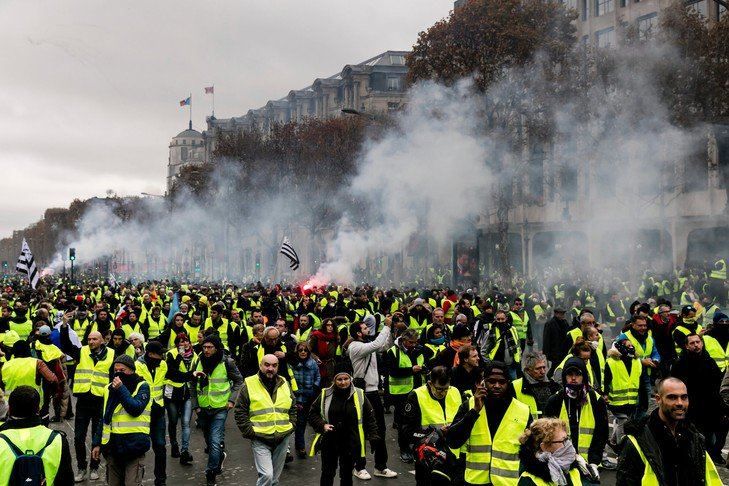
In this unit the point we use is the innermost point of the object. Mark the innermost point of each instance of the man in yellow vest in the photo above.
(647, 352)
(489, 425)
(153, 370)
(23, 432)
(216, 381)
(265, 413)
(664, 447)
(535, 388)
(432, 406)
(124, 438)
(520, 320)
(622, 383)
(583, 410)
(93, 374)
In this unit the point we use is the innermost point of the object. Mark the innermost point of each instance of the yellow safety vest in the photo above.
(122, 422)
(217, 392)
(520, 323)
(222, 330)
(192, 333)
(302, 337)
(402, 385)
(418, 326)
(156, 383)
(23, 329)
(432, 414)
(713, 347)
(183, 367)
(719, 273)
(38, 440)
(358, 407)
(436, 349)
(526, 399)
(497, 338)
(268, 417)
(80, 327)
(650, 478)
(92, 377)
(574, 475)
(21, 371)
(586, 424)
(685, 331)
(590, 374)
(641, 353)
(624, 387)
(48, 352)
(156, 327)
(496, 460)
(292, 379)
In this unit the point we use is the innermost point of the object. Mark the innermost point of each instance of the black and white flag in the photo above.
(26, 264)
(288, 251)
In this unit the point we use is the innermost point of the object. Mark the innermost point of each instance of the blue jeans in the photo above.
(301, 420)
(213, 425)
(269, 462)
(157, 434)
(179, 411)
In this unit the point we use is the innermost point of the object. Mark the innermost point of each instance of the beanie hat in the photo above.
(719, 316)
(575, 364)
(126, 360)
(460, 331)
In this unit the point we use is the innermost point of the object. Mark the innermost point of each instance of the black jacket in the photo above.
(703, 380)
(676, 460)
(556, 342)
(599, 411)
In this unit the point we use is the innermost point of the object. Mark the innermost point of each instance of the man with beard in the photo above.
(216, 381)
(272, 344)
(265, 412)
(153, 370)
(583, 409)
(93, 373)
(491, 420)
(663, 447)
(102, 324)
(703, 380)
(228, 331)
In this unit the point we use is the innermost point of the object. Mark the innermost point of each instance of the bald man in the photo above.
(93, 373)
(674, 446)
(268, 432)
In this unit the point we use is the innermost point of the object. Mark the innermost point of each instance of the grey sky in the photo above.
(90, 90)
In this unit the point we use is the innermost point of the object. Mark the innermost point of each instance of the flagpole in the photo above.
(213, 100)
(190, 111)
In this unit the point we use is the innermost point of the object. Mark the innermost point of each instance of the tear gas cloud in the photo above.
(442, 164)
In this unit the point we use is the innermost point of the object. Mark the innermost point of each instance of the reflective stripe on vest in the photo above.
(156, 384)
(496, 461)
(217, 392)
(122, 422)
(32, 439)
(358, 407)
(520, 323)
(402, 385)
(432, 414)
(624, 387)
(586, 425)
(90, 377)
(525, 398)
(574, 475)
(268, 417)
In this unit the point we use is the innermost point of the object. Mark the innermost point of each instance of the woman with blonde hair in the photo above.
(548, 457)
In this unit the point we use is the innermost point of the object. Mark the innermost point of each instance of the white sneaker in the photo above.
(363, 474)
(80, 476)
(94, 475)
(385, 473)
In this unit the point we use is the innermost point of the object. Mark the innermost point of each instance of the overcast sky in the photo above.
(90, 90)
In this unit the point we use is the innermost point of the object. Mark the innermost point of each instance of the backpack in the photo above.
(28, 466)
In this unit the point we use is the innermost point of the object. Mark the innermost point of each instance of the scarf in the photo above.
(577, 393)
(456, 344)
(559, 462)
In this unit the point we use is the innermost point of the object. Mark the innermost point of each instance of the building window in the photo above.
(585, 10)
(647, 26)
(604, 6)
(184, 154)
(701, 7)
(397, 59)
(393, 84)
(393, 106)
(605, 37)
(184, 142)
(623, 3)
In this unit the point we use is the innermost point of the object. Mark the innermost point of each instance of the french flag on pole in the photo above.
(209, 89)
(186, 101)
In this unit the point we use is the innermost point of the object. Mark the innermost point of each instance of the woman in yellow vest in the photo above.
(181, 362)
(343, 420)
(548, 456)
(124, 437)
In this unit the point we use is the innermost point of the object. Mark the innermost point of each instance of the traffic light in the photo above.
(72, 254)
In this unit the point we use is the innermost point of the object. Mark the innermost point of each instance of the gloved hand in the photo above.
(588, 470)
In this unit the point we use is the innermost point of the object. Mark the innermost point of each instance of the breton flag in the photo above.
(209, 89)
(186, 101)
(26, 265)
(288, 251)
